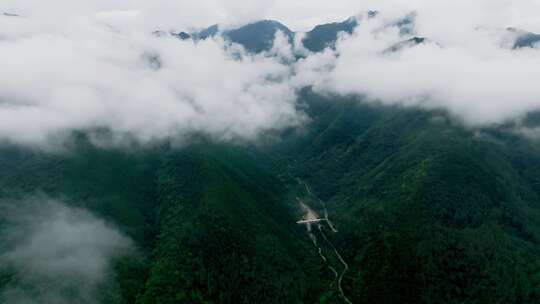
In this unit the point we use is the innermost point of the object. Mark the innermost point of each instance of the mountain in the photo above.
(326, 35)
(402, 204)
(406, 24)
(227, 214)
(527, 40)
(255, 37)
(428, 211)
(406, 44)
(425, 210)
(258, 36)
(519, 38)
(206, 33)
(212, 222)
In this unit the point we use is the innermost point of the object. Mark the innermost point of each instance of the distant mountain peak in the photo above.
(406, 24)
(208, 32)
(257, 36)
(523, 39)
(326, 35)
(372, 14)
(414, 41)
(268, 23)
(264, 25)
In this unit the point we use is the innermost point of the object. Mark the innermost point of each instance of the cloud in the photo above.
(57, 254)
(168, 14)
(298, 14)
(95, 65)
(477, 76)
(88, 74)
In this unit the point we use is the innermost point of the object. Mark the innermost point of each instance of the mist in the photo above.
(69, 67)
(88, 74)
(479, 77)
(56, 253)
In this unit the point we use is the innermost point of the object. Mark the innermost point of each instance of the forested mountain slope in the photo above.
(211, 224)
(227, 234)
(428, 211)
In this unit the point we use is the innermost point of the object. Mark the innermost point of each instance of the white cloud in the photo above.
(87, 74)
(477, 77)
(93, 64)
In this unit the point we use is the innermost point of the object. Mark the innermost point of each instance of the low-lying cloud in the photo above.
(479, 78)
(88, 74)
(54, 253)
(97, 65)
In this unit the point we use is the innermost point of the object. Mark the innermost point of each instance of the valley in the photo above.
(312, 220)
(402, 213)
(387, 157)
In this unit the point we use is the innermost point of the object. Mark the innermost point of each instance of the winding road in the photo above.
(311, 217)
(345, 266)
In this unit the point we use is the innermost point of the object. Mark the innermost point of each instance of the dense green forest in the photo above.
(412, 206)
(427, 211)
(422, 209)
(212, 225)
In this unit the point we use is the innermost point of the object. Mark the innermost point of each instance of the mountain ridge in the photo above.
(258, 36)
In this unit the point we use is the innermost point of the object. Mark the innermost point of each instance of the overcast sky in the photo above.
(83, 64)
(297, 14)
